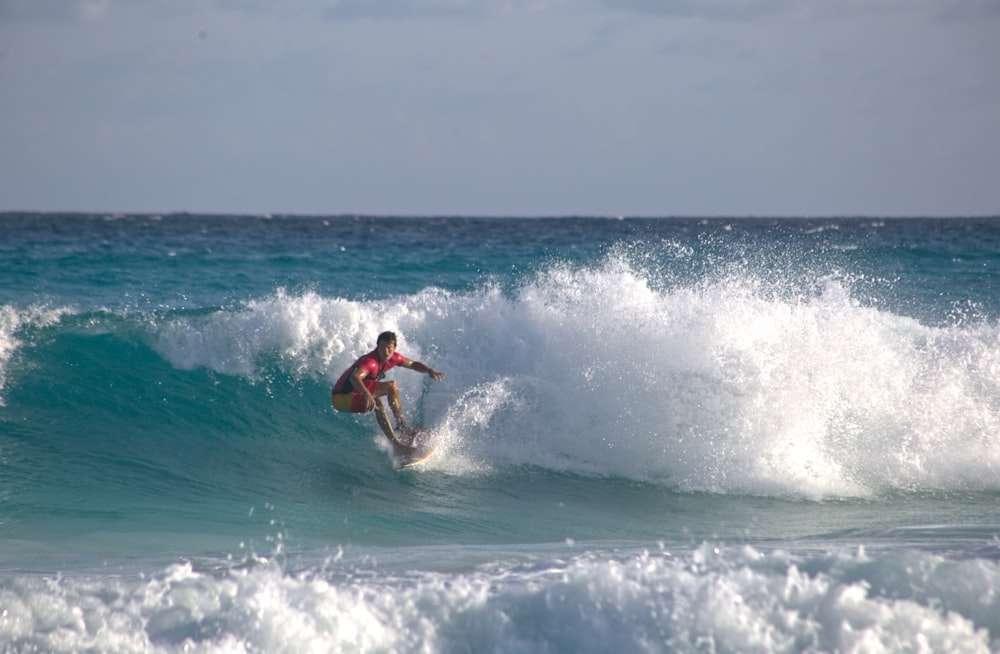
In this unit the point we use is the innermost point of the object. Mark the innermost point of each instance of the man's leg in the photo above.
(390, 390)
(383, 421)
(396, 405)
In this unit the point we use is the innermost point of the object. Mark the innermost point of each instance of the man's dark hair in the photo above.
(386, 336)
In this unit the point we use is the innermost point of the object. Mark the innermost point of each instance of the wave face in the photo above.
(716, 387)
(605, 370)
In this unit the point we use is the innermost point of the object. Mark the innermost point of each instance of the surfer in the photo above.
(360, 389)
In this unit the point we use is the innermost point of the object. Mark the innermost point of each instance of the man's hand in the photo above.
(423, 368)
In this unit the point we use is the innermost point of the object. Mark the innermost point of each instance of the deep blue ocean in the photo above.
(655, 435)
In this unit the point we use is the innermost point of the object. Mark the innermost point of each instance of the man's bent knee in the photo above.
(386, 388)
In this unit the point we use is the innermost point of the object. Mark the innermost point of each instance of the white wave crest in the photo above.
(720, 386)
(13, 322)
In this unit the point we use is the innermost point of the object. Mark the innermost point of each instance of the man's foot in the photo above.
(408, 433)
(405, 450)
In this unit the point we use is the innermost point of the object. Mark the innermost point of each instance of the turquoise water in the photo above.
(654, 435)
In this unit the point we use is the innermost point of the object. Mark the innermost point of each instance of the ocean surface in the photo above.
(655, 435)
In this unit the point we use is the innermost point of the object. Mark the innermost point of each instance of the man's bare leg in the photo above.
(397, 408)
(383, 422)
(391, 391)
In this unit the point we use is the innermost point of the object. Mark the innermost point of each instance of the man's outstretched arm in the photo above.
(424, 369)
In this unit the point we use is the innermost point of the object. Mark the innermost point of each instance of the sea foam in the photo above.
(14, 322)
(724, 385)
(706, 599)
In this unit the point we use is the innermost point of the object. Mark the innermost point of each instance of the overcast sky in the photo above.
(501, 107)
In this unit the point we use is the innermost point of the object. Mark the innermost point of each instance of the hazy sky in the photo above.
(501, 107)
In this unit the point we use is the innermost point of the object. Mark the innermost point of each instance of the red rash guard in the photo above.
(376, 371)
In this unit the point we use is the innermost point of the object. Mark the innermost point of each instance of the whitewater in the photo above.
(668, 435)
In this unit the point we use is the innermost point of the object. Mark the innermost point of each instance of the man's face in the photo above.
(385, 349)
